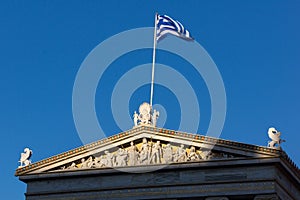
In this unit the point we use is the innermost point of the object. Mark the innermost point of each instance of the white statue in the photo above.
(72, 166)
(24, 159)
(121, 158)
(155, 116)
(193, 154)
(168, 153)
(132, 155)
(144, 115)
(180, 155)
(135, 118)
(100, 161)
(109, 159)
(156, 153)
(274, 135)
(87, 163)
(144, 153)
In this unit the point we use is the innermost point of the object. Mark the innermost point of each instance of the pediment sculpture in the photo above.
(145, 152)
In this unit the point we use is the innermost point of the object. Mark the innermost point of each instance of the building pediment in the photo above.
(147, 146)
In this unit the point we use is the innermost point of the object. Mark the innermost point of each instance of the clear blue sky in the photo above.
(255, 45)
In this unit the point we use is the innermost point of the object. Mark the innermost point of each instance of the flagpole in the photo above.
(153, 60)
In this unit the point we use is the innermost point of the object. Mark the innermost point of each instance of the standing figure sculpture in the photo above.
(144, 152)
(180, 155)
(168, 153)
(132, 155)
(24, 159)
(121, 158)
(109, 159)
(156, 153)
(155, 116)
(274, 135)
(135, 118)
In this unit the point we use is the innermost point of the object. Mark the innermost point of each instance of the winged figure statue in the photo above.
(24, 159)
(274, 135)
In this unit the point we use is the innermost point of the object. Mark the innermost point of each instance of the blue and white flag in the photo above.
(167, 25)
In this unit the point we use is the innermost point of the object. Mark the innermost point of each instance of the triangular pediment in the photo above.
(144, 146)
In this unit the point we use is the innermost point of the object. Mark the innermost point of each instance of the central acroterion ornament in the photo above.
(145, 116)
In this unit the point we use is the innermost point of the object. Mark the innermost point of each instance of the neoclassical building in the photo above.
(155, 163)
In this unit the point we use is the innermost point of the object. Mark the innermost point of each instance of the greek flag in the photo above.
(167, 25)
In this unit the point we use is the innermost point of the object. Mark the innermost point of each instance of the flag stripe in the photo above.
(166, 31)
